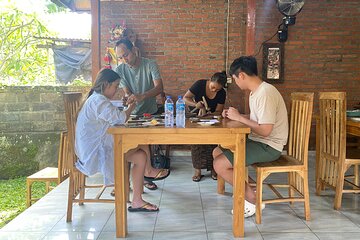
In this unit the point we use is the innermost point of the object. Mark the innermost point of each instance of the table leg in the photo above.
(120, 189)
(220, 185)
(317, 150)
(239, 186)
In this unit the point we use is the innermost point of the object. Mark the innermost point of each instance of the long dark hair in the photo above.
(104, 77)
(220, 78)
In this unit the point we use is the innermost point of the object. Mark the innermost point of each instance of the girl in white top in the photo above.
(94, 146)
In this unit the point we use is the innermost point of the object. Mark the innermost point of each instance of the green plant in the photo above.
(13, 197)
(21, 61)
(17, 158)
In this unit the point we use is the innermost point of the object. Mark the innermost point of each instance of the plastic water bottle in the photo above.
(169, 112)
(180, 113)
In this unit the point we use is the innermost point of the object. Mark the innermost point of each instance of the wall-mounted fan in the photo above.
(289, 8)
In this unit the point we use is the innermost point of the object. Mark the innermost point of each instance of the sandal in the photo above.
(144, 208)
(213, 175)
(150, 185)
(197, 178)
(158, 176)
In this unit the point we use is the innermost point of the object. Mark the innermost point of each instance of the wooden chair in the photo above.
(50, 174)
(77, 180)
(334, 160)
(295, 163)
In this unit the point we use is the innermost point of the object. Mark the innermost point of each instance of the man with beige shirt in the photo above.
(268, 121)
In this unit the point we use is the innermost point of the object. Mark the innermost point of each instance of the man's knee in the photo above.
(216, 152)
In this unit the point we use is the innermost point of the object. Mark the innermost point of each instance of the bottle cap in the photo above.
(179, 97)
(167, 97)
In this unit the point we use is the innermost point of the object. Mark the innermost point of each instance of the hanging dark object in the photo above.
(289, 8)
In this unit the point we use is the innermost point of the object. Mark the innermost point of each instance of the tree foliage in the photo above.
(21, 61)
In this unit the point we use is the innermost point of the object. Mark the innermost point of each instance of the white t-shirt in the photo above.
(94, 147)
(268, 107)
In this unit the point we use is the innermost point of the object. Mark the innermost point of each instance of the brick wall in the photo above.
(323, 48)
(186, 38)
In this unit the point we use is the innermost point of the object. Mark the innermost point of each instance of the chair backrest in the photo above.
(300, 124)
(332, 135)
(63, 164)
(72, 101)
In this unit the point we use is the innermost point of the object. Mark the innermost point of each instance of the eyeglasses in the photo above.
(124, 55)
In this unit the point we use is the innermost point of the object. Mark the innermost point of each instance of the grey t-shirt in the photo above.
(140, 80)
(267, 106)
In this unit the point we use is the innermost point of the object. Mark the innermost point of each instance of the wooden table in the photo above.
(352, 128)
(229, 134)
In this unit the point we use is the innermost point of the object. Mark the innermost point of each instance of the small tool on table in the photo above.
(206, 104)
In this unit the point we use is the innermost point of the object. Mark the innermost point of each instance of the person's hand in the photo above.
(124, 100)
(129, 109)
(202, 112)
(136, 98)
(199, 105)
(224, 113)
(234, 114)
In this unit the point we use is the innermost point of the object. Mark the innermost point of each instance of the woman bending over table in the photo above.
(214, 94)
(95, 147)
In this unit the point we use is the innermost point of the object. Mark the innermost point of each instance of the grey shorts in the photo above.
(256, 152)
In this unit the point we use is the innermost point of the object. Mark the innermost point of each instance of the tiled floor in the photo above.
(188, 211)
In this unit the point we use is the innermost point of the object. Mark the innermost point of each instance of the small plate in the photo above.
(206, 123)
(152, 124)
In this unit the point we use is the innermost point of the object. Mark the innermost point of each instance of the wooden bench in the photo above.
(50, 174)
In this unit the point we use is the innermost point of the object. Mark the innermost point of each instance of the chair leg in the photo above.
(82, 190)
(319, 186)
(47, 186)
(70, 199)
(220, 185)
(28, 192)
(356, 175)
(167, 150)
(127, 184)
(291, 183)
(259, 185)
(339, 189)
(306, 197)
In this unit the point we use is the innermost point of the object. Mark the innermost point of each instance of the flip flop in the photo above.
(249, 209)
(150, 185)
(143, 208)
(197, 178)
(157, 177)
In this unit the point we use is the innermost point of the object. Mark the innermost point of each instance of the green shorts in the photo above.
(256, 152)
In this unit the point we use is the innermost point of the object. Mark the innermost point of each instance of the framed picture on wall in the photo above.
(273, 62)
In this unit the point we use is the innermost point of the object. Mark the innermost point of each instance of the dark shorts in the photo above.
(256, 152)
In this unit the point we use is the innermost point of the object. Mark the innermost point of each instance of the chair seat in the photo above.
(46, 174)
(283, 162)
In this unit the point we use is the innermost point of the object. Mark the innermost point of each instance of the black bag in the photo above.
(158, 159)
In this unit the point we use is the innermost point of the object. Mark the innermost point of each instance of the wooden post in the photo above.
(250, 40)
(95, 38)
